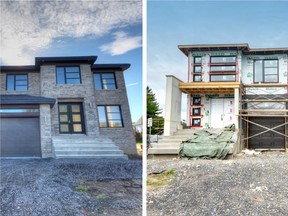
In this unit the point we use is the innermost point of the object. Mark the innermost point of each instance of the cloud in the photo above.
(29, 26)
(132, 84)
(122, 44)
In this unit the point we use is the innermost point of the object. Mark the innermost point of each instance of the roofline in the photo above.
(122, 67)
(65, 59)
(220, 47)
(25, 68)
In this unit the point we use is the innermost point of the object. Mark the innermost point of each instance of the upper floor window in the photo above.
(110, 116)
(68, 75)
(104, 81)
(222, 68)
(197, 60)
(223, 59)
(17, 82)
(265, 71)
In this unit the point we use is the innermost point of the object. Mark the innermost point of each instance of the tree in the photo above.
(152, 104)
(153, 111)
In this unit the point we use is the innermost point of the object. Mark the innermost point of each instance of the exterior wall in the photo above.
(33, 85)
(123, 137)
(206, 109)
(45, 131)
(85, 92)
(206, 62)
(73, 92)
(172, 106)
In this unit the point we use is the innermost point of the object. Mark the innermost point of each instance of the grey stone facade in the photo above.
(43, 83)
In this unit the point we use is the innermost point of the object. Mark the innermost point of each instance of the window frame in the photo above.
(101, 79)
(107, 120)
(194, 101)
(193, 123)
(263, 70)
(15, 82)
(65, 75)
(217, 73)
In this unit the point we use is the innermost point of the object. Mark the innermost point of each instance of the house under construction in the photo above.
(230, 84)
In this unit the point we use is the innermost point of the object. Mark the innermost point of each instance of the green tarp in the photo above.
(207, 143)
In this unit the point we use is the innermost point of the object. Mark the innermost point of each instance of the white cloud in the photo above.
(122, 44)
(29, 26)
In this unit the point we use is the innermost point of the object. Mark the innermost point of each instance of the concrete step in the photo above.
(82, 146)
(87, 148)
(86, 152)
(110, 156)
(171, 151)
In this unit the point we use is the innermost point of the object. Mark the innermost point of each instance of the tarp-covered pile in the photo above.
(209, 143)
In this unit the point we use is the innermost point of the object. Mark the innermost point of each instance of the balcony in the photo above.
(209, 87)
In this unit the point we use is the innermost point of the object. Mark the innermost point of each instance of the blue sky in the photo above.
(261, 24)
(111, 30)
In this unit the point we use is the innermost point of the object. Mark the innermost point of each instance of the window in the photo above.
(68, 75)
(104, 81)
(265, 71)
(197, 69)
(197, 60)
(196, 111)
(196, 122)
(196, 100)
(110, 116)
(223, 59)
(17, 82)
(222, 68)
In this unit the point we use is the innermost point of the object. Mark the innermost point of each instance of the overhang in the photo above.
(209, 87)
(65, 60)
(121, 67)
(233, 47)
(19, 69)
(25, 100)
(212, 47)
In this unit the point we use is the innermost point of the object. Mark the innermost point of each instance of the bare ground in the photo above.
(243, 185)
(70, 187)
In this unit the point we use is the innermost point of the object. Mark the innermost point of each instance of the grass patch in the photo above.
(155, 181)
(82, 188)
(101, 197)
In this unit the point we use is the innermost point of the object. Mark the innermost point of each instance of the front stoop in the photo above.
(170, 145)
(81, 146)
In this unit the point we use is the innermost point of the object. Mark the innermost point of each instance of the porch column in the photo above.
(236, 107)
(172, 105)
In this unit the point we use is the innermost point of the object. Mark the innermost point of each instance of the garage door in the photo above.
(20, 137)
(269, 140)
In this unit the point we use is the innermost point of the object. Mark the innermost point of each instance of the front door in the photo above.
(71, 118)
(222, 112)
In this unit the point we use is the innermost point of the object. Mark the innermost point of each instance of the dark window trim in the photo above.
(223, 63)
(101, 73)
(263, 70)
(194, 58)
(195, 75)
(65, 77)
(193, 101)
(106, 116)
(69, 114)
(196, 125)
(223, 74)
(195, 114)
(14, 81)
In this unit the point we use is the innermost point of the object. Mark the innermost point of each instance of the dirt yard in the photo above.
(243, 185)
(70, 187)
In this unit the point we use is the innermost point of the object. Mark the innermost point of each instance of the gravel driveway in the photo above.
(71, 187)
(244, 185)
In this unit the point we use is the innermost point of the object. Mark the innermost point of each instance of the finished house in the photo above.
(65, 107)
(231, 84)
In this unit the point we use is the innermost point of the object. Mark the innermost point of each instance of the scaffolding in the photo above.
(264, 101)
